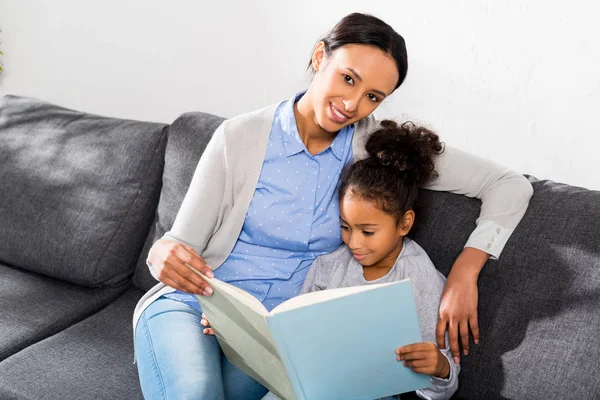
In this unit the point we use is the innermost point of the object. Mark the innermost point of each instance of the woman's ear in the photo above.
(318, 56)
(406, 223)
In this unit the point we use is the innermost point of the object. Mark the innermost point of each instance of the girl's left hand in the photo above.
(204, 322)
(424, 358)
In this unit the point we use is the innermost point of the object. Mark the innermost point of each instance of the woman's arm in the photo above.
(504, 195)
(504, 198)
(194, 225)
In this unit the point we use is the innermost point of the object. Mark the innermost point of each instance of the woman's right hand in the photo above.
(168, 258)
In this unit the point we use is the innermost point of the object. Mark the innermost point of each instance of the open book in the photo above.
(330, 344)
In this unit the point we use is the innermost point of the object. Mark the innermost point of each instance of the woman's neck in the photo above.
(315, 138)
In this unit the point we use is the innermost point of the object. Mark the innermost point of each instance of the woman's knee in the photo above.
(175, 359)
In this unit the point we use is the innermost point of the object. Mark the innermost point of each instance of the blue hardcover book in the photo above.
(331, 344)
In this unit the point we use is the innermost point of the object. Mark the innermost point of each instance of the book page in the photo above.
(240, 294)
(344, 347)
(324, 295)
(238, 320)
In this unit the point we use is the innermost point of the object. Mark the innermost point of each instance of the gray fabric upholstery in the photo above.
(77, 191)
(33, 307)
(188, 136)
(78, 194)
(538, 304)
(90, 360)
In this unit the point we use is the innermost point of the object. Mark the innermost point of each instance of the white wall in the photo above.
(515, 81)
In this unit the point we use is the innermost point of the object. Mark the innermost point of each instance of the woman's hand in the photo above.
(168, 260)
(204, 322)
(424, 358)
(458, 306)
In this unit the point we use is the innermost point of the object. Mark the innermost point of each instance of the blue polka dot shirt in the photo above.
(292, 218)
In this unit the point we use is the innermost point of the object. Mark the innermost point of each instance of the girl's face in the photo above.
(349, 84)
(373, 236)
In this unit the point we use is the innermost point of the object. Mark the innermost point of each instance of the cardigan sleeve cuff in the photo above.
(489, 237)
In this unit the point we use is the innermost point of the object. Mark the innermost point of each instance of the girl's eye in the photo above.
(348, 79)
(373, 98)
(344, 227)
(366, 233)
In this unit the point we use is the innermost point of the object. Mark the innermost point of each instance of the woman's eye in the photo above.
(348, 79)
(373, 98)
(344, 227)
(366, 233)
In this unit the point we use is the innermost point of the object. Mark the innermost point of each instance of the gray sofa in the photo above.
(83, 197)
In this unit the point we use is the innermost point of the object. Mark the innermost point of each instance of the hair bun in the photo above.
(408, 148)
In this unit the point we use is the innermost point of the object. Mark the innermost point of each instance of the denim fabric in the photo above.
(177, 361)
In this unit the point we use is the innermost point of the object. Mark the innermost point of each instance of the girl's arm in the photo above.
(504, 198)
(313, 280)
(428, 285)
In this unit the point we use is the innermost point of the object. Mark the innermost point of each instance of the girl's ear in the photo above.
(406, 223)
(318, 56)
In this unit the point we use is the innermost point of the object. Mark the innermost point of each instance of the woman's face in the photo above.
(350, 84)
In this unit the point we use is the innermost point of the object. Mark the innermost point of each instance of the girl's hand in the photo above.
(458, 306)
(167, 259)
(204, 322)
(424, 358)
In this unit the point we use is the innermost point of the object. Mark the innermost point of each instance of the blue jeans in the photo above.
(176, 360)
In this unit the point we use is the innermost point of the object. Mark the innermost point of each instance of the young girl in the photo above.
(377, 196)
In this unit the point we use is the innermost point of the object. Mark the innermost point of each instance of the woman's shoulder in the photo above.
(246, 132)
(252, 119)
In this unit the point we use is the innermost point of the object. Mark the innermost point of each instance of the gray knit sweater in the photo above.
(340, 269)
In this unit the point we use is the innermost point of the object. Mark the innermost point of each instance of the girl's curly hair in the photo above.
(401, 158)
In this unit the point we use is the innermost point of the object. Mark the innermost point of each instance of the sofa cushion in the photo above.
(33, 307)
(77, 191)
(188, 136)
(90, 360)
(538, 304)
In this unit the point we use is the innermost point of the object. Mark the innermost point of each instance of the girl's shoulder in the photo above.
(416, 263)
(340, 254)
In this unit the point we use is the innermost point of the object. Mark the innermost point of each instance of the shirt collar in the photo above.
(292, 143)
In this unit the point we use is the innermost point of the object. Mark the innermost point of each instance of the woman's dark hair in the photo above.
(357, 28)
(401, 158)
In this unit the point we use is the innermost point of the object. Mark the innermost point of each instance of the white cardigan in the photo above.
(214, 209)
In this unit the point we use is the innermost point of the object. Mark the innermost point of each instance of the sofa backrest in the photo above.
(538, 303)
(78, 192)
(188, 136)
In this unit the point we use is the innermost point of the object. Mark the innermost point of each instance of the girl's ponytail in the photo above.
(401, 158)
(407, 147)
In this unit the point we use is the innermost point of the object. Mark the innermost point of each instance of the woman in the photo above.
(262, 205)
